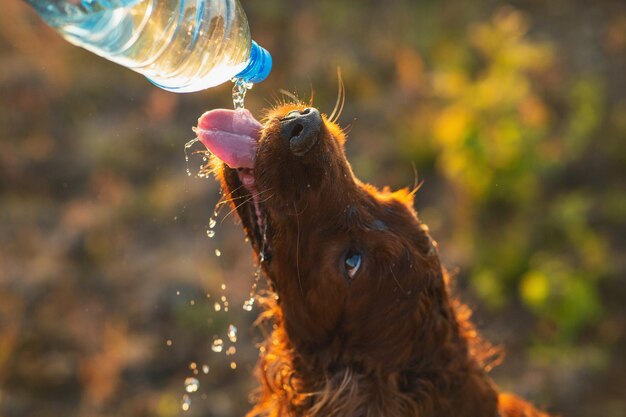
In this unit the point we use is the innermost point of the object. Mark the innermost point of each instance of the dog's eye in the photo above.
(352, 263)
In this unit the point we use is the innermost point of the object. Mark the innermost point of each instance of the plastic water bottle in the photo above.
(179, 45)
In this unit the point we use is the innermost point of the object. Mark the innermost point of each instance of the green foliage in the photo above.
(501, 146)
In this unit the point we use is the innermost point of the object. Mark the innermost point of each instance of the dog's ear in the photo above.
(426, 245)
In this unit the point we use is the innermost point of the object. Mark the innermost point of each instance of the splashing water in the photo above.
(187, 146)
(240, 89)
(225, 303)
(210, 231)
(249, 303)
(223, 298)
(191, 385)
(186, 403)
(232, 333)
(218, 345)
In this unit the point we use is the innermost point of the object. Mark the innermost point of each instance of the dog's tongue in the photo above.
(231, 135)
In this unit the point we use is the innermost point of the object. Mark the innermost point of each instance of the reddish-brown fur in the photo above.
(391, 342)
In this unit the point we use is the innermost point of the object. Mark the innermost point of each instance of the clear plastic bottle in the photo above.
(179, 45)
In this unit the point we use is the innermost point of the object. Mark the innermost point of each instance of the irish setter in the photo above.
(363, 322)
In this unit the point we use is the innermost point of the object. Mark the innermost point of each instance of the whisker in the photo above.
(268, 198)
(252, 197)
(276, 101)
(235, 208)
(230, 200)
(332, 114)
(312, 94)
(296, 213)
(398, 282)
(417, 184)
(292, 96)
(341, 98)
(225, 200)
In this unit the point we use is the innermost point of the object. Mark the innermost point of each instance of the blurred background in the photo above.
(513, 113)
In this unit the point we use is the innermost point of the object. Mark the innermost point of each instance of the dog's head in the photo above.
(352, 266)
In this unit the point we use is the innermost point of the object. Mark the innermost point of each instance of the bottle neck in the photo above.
(259, 65)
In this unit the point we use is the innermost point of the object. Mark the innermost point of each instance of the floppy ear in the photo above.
(425, 244)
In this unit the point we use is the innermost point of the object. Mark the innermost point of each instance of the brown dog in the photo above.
(364, 323)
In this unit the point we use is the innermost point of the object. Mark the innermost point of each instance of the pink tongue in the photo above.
(231, 135)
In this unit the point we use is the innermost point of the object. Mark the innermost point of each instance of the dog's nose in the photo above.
(301, 128)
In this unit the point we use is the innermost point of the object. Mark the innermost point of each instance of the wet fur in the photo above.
(393, 342)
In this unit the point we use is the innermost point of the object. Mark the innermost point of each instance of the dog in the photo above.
(364, 323)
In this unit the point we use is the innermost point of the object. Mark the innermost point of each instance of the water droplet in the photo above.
(192, 302)
(217, 306)
(232, 333)
(212, 223)
(186, 403)
(210, 233)
(240, 89)
(223, 298)
(233, 365)
(177, 292)
(205, 369)
(187, 146)
(218, 252)
(191, 385)
(168, 342)
(231, 351)
(218, 345)
(193, 365)
(247, 305)
(223, 286)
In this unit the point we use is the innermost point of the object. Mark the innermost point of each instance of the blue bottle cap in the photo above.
(259, 65)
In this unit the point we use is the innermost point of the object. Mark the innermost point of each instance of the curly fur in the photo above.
(393, 342)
